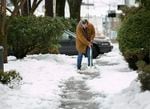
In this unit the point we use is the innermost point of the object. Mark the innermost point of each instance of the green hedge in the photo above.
(134, 37)
(29, 35)
(144, 77)
(134, 42)
(146, 4)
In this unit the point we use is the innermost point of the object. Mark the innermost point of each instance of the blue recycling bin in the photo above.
(1, 59)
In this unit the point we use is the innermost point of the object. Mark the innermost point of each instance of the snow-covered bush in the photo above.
(9, 76)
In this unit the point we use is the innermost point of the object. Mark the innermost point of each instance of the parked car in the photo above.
(100, 45)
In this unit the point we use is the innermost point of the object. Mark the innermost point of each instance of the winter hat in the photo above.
(84, 21)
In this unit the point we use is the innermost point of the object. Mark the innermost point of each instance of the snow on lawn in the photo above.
(44, 74)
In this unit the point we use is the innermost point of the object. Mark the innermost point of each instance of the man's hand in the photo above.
(90, 45)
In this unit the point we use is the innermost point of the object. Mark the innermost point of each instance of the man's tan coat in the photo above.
(81, 41)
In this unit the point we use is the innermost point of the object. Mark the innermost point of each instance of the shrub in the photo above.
(28, 35)
(7, 77)
(73, 23)
(134, 37)
(141, 64)
(144, 77)
(134, 41)
(145, 3)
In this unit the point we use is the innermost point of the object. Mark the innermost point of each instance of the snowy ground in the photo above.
(44, 77)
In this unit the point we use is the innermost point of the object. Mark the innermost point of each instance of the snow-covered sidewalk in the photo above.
(43, 76)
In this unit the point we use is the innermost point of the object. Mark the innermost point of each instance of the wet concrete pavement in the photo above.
(76, 94)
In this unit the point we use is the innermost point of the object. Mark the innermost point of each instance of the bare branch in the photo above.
(8, 10)
(20, 4)
(34, 6)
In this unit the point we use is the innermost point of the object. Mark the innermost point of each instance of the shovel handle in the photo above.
(91, 56)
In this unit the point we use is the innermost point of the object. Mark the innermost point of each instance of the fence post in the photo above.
(1, 59)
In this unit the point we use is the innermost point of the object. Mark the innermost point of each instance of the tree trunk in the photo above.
(49, 8)
(4, 24)
(3, 36)
(60, 8)
(74, 8)
(25, 11)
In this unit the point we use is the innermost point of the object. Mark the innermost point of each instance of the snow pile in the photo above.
(42, 75)
(130, 98)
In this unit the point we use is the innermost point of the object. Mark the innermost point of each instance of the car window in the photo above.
(66, 36)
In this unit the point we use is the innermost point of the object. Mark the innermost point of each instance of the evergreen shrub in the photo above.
(134, 38)
(144, 77)
(30, 34)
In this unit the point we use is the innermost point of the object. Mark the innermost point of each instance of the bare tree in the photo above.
(34, 6)
(28, 8)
